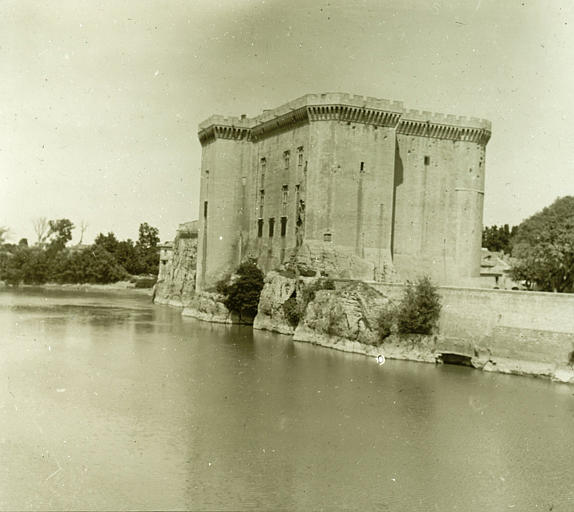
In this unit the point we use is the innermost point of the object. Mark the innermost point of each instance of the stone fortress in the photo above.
(386, 190)
(369, 194)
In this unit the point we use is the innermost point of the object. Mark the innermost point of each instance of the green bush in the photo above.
(242, 293)
(292, 311)
(222, 285)
(419, 309)
(386, 323)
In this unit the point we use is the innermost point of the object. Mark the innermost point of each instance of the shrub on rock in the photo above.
(419, 309)
(243, 292)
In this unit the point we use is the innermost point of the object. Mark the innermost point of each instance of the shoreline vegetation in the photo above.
(107, 262)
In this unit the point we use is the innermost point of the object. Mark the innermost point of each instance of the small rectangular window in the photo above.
(300, 155)
(205, 209)
(271, 226)
(283, 226)
(260, 228)
(427, 160)
(362, 166)
(326, 237)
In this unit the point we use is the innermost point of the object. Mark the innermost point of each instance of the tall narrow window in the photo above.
(286, 156)
(205, 209)
(300, 156)
(261, 202)
(362, 166)
(263, 169)
(271, 226)
(284, 198)
(259, 228)
(283, 226)
(427, 160)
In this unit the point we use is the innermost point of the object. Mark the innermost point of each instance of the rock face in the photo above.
(176, 282)
(208, 306)
(347, 319)
(333, 261)
(271, 315)
(349, 313)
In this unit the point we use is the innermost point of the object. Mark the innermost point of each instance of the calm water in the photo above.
(108, 402)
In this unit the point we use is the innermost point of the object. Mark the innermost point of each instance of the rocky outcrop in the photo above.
(278, 289)
(176, 280)
(208, 306)
(349, 313)
(339, 262)
(347, 319)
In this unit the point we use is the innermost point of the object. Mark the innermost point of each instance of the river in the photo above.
(110, 403)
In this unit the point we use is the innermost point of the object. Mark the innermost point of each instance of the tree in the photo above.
(242, 294)
(147, 250)
(498, 239)
(544, 248)
(60, 233)
(108, 242)
(148, 236)
(3, 234)
(41, 228)
(83, 227)
(419, 309)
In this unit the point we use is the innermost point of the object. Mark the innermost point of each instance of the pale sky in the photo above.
(100, 99)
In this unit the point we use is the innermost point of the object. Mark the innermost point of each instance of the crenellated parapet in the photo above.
(444, 126)
(345, 108)
(268, 126)
(353, 114)
(223, 132)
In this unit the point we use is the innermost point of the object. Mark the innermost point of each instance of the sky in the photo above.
(100, 100)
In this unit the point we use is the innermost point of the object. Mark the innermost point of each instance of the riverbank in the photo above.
(511, 332)
(111, 287)
(439, 350)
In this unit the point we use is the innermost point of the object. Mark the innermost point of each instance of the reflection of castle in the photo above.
(394, 187)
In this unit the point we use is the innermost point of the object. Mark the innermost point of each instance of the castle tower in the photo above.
(225, 170)
(362, 176)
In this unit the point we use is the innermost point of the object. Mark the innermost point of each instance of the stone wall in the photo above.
(495, 330)
(393, 186)
(176, 284)
(504, 330)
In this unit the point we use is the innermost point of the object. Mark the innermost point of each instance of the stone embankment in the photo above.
(525, 333)
(347, 319)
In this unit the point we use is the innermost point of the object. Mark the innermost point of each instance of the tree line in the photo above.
(542, 247)
(50, 259)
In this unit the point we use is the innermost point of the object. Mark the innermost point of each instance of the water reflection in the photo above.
(108, 402)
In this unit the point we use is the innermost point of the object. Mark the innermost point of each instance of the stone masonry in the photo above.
(399, 189)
